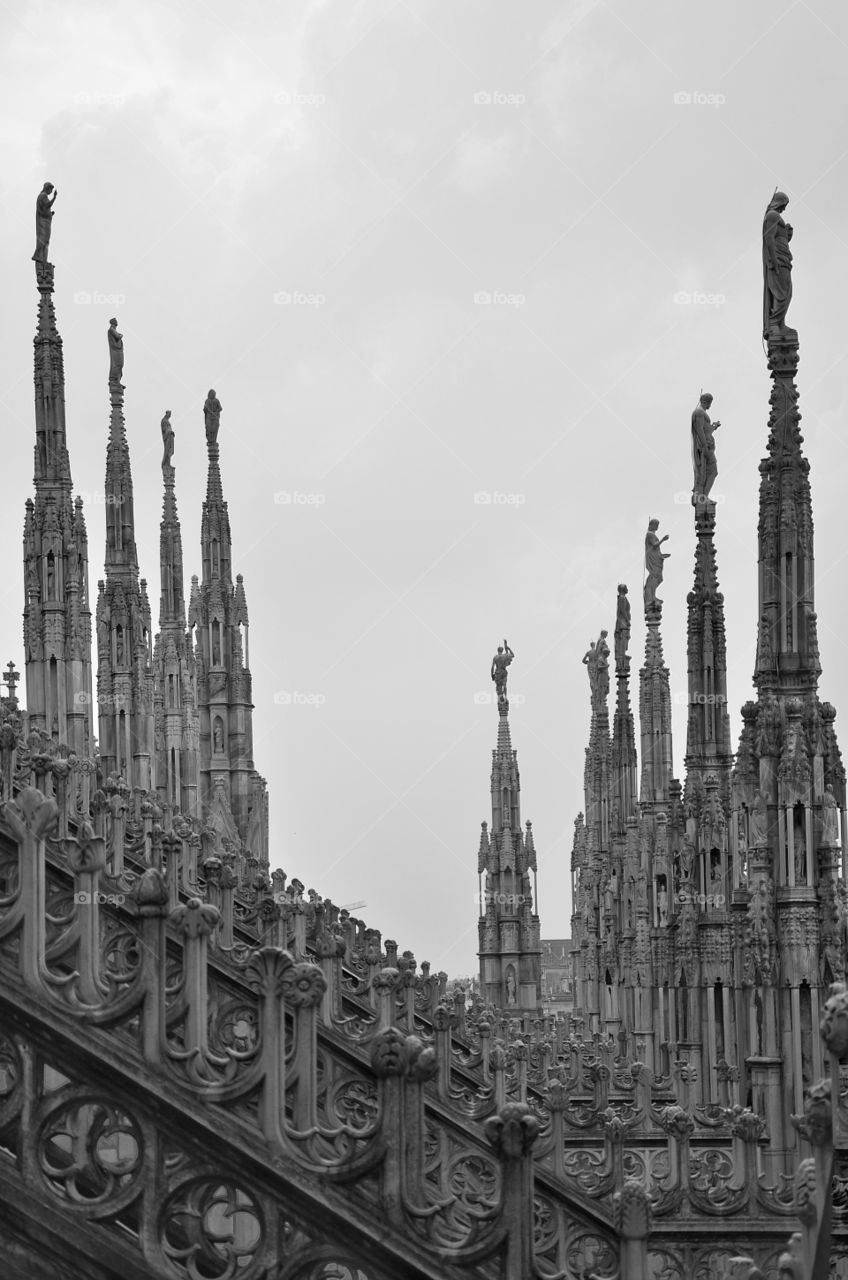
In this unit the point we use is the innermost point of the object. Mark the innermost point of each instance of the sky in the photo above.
(458, 274)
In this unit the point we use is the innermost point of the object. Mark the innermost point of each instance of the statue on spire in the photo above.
(596, 658)
(654, 562)
(777, 270)
(703, 451)
(43, 221)
(212, 416)
(168, 442)
(500, 662)
(116, 352)
(622, 626)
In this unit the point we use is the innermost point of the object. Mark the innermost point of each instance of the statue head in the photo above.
(653, 525)
(706, 400)
(113, 324)
(604, 635)
(211, 394)
(167, 413)
(500, 648)
(48, 187)
(622, 589)
(779, 201)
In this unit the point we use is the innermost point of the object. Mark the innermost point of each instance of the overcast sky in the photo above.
(304, 206)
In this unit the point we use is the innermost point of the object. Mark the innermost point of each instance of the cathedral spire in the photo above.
(124, 639)
(624, 760)
(176, 723)
(708, 749)
(231, 789)
(654, 693)
(57, 617)
(510, 950)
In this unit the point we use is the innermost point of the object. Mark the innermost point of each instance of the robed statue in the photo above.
(777, 269)
(212, 417)
(622, 626)
(167, 440)
(43, 221)
(500, 662)
(654, 562)
(703, 451)
(116, 352)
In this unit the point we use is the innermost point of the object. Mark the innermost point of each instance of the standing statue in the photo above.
(777, 269)
(43, 221)
(662, 906)
(116, 352)
(602, 661)
(167, 440)
(830, 817)
(622, 626)
(654, 559)
(500, 662)
(212, 415)
(703, 451)
(596, 659)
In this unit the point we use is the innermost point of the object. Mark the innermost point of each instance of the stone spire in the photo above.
(624, 759)
(788, 782)
(176, 725)
(57, 616)
(654, 692)
(124, 635)
(510, 950)
(708, 749)
(232, 792)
